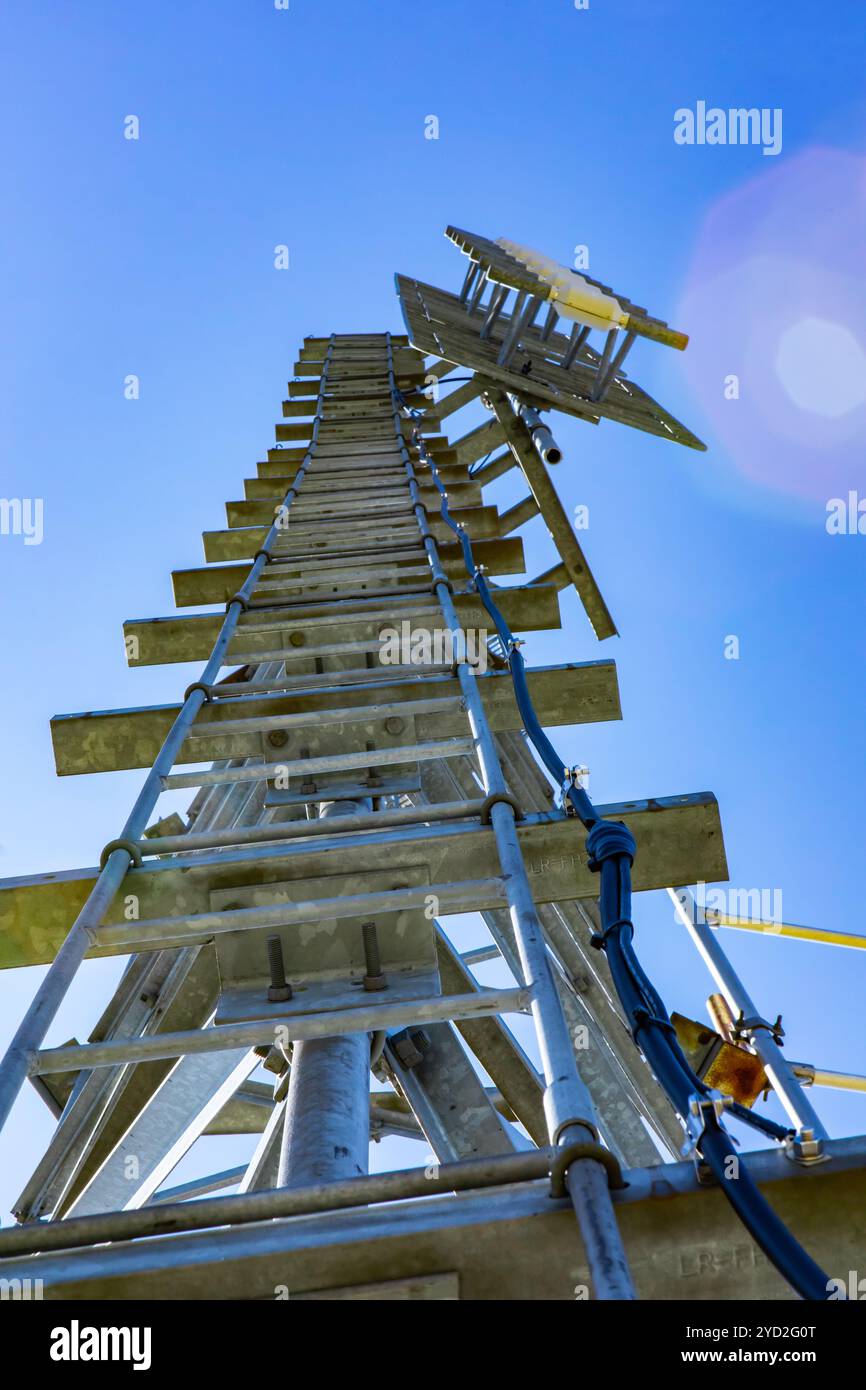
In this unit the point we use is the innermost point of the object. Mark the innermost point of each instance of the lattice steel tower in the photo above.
(378, 763)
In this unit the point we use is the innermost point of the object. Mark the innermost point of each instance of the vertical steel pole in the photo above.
(326, 1136)
(326, 1131)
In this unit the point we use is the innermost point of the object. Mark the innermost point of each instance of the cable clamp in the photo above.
(199, 685)
(492, 800)
(571, 780)
(609, 839)
(642, 1018)
(572, 1153)
(700, 1108)
(132, 849)
(599, 939)
(741, 1029)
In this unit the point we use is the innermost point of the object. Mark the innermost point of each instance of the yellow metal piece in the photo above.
(573, 295)
(838, 1080)
(577, 298)
(727, 1068)
(794, 933)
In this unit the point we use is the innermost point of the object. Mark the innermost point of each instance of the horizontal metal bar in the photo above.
(808, 1075)
(202, 926)
(336, 762)
(154, 1220)
(198, 1187)
(290, 830)
(302, 653)
(349, 714)
(345, 791)
(294, 1028)
(304, 595)
(820, 935)
(479, 954)
(324, 574)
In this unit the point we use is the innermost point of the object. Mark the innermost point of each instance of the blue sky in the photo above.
(305, 127)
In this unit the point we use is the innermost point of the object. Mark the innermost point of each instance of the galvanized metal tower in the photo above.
(369, 728)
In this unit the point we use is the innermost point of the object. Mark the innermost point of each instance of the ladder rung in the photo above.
(312, 682)
(334, 573)
(351, 714)
(299, 653)
(452, 897)
(375, 613)
(222, 1037)
(342, 791)
(289, 557)
(301, 595)
(304, 829)
(336, 762)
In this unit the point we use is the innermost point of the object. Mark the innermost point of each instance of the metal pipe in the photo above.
(520, 322)
(819, 935)
(348, 714)
(479, 954)
(549, 323)
(579, 335)
(156, 1220)
(604, 378)
(808, 1075)
(471, 272)
(545, 445)
(325, 762)
(477, 292)
(494, 309)
(604, 362)
(326, 1135)
(297, 1028)
(796, 1105)
(290, 830)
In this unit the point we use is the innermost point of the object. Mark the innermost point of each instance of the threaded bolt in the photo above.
(373, 978)
(279, 989)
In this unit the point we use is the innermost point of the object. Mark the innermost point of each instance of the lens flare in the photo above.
(775, 303)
